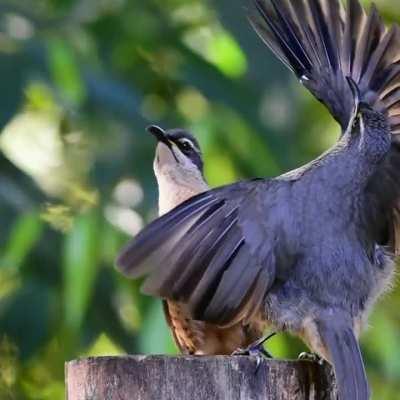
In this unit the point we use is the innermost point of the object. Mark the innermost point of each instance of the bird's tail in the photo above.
(345, 355)
(324, 43)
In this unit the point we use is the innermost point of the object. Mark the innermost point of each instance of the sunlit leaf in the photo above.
(65, 71)
(104, 346)
(58, 216)
(8, 364)
(227, 55)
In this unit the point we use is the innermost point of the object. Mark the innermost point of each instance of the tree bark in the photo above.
(197, 378)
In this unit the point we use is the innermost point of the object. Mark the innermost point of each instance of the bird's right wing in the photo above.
(216, 252)
(323, 43)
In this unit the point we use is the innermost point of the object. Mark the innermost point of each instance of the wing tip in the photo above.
(130, 260)
(122, 262)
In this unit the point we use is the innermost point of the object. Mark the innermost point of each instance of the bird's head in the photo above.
(178, 158)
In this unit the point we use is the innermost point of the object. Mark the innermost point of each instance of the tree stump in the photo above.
(197, 378)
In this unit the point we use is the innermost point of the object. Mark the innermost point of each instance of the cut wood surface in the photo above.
(196, 378)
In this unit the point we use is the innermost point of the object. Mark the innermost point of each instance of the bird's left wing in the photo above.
(215, 252)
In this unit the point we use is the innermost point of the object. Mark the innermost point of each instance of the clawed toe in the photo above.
(253, 351)
(256, 349)
(311, 357)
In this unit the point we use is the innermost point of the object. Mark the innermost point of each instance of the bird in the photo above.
(179, 169)
(314, 248)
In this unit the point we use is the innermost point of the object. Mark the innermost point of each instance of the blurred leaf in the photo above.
(154, 336)
(104, 346)
(23, 237)
(383, 339)
(8, 367)
(58, 216)
(39, 97)
(65, 71)
(51, 391)
(25, 317)
(220, 170)
(80, 268)
(227, 55)
(32, 142)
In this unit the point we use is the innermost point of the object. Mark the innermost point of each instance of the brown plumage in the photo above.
(202, 338)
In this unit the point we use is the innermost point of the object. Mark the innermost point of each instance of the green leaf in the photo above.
(104, 346)
(65, 71)
(24, 235)
(227, 55)
(80, 268)
(154, 336)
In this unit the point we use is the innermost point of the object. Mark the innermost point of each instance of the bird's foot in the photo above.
(256, 349)
(252, 351)
(311, 357)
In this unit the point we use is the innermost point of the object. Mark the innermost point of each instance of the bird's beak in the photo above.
(161, 137)
(159, 134)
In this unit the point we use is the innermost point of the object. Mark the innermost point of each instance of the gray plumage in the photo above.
(314, 248)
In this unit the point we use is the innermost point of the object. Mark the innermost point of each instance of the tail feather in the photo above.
(345, 355)
(323, 43)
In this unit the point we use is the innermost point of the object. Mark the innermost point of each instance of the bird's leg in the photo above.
(256, 348)
(311, 357)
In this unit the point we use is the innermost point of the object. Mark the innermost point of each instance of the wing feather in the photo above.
(209, 253)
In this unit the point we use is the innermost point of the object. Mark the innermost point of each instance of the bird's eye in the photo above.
(185, 145)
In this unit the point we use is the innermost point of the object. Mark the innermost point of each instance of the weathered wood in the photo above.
(196, 378)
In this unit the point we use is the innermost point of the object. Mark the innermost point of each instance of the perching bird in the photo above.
(315, 248)
(178, 166)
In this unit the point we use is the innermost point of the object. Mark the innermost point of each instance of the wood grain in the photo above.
(196, 378)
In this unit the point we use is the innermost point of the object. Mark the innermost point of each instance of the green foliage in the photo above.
(81, 260)
(24, 235)
(64, 71)
(80, 80)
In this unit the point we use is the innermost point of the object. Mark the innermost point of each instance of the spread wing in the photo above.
(323, 43)
(216, 252)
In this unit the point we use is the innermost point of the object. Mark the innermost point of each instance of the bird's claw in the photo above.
(252, 351)
(311, 357)
(256, 350)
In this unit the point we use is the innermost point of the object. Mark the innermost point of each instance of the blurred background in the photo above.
(79, 82)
